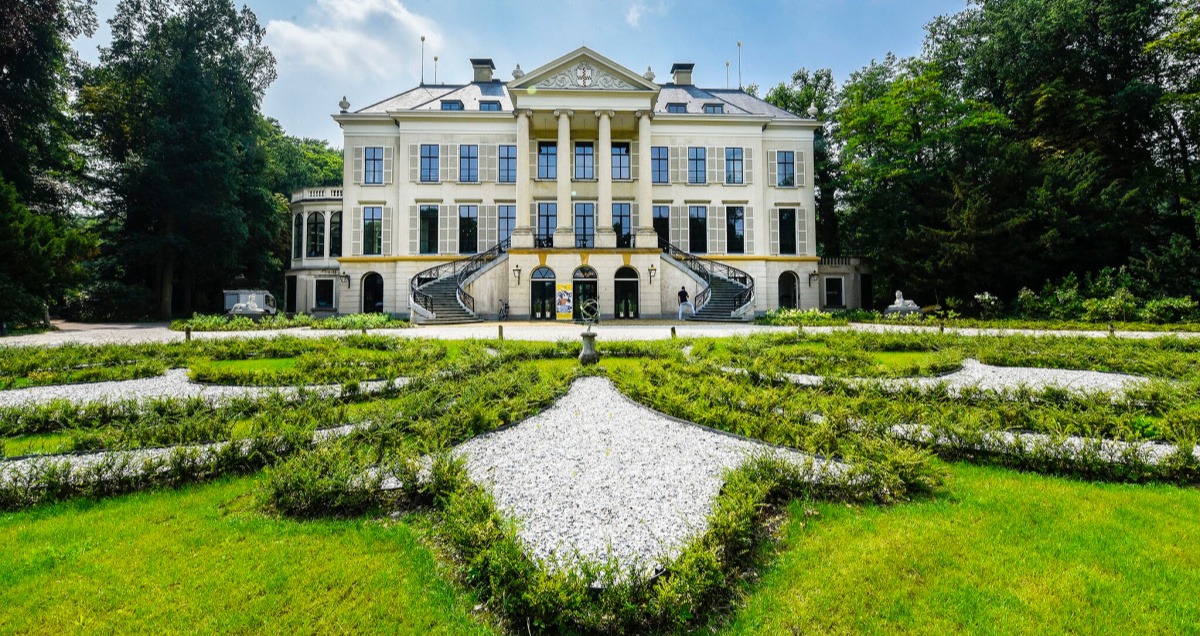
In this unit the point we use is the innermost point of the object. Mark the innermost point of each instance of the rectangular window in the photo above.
(834, 292)
(506, 222)
(429, 163)
(734, 166)
(787, 169)
(660, 166)
(547, 160)
(468, 229)
(373, 165)
(585, 225)
(316, 235)
(620, 162)
(452, 104)
(373, 231)
(697, 165)
(662, 223)
(468, 163)
(677, 107)
(489, 105)
(547, 222)
(623, 224)
(714, 109)
(335, 234)
(429, 229)
(787, 230)
(698, 229)
(324, 294)
(735, 230)
(585, 160)
(298, 237)
(508, 164)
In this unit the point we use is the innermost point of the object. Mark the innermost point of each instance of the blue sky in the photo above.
(370, 49)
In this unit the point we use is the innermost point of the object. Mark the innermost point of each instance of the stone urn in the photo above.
(589, 356)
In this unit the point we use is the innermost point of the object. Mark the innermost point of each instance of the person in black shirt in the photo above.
(683, 300)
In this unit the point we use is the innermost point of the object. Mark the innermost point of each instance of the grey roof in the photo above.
(431, 96)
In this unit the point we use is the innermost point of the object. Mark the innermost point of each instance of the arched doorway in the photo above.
(789, 286)
(541, 294)
(584, 288)
(372, 294)
(626, 293)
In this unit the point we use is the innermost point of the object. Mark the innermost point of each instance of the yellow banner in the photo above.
(563, 302)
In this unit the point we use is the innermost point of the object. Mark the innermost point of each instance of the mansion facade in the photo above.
(578, 181)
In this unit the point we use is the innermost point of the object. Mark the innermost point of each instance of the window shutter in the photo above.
(772, 168)
(678, 226)
(533, 159)
(414, 229)
(489, 167)
(449, 162)
(716, 229)
(533, 217)
(446, 243)
(389, 159)
(386, 229)
(633, 218)
(678, 165)
(715, 165)
(750, 248)
(487, 221)
(747, 166)
(801, 231)
(358, 165)
(800, 169)
(356, 232)
(773, 219)
(414, 162)
(635, 160)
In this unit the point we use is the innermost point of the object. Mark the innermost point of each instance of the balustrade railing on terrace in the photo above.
(707, 270)
(309, 194)
(461, 270)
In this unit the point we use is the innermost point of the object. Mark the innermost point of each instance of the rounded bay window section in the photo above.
(316, 235)
(626, 293)
(372, 294)
(335, 234)
(585, 287)
(298, 237)
(789, 286)
(541, 294)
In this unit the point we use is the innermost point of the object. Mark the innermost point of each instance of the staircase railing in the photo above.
(708, 269)
(462, 270)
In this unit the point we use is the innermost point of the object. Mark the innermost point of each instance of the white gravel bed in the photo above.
(598, 475)
(134, 462)
(174, 384)
(1067, 447)
(976, 375)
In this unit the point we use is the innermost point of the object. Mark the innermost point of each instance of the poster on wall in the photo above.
(562, 302)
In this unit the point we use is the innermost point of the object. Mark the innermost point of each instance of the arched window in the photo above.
(584, 273)
(298, 237)
(316, 235)
(335, 234)
(789, 286)
(543, 273)
(541, 294)
(372, 293)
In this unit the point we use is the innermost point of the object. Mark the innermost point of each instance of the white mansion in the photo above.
(578, 180)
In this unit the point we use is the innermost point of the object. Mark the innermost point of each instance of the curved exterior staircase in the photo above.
(437, 295)
(729, 295)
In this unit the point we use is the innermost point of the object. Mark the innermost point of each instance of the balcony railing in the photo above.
(316, 194)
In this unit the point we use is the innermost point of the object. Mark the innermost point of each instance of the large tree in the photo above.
(175, 108)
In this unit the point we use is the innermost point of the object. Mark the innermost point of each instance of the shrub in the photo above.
(800, 317)
(1122, 306)
(329, 480)
(989, 306)
(1165, 310)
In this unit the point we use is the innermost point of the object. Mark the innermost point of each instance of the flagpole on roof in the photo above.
(422, 60)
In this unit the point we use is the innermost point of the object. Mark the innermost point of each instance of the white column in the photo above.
(564, 236)
(523, 232)
(605, 236)
(645, 186)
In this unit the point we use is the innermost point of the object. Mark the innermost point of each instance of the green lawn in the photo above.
(198, 560)
(30, 444)
(999, 552)
(256, 364)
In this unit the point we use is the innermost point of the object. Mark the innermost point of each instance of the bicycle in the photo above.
(503, 311)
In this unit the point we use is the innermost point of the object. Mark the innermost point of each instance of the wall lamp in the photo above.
(517, 273)
(652, 270)
(811, 277)
(345, 278)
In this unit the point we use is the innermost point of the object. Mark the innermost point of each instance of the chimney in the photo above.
(681, 73)
(483, 68)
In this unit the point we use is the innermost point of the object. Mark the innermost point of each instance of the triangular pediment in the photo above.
(583, 69)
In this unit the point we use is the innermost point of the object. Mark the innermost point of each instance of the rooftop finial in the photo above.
(649, 74)
(344, 105)
(518, 73)
(812, 110)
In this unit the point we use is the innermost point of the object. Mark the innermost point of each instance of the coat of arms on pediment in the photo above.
(584, 75)
(583, 69)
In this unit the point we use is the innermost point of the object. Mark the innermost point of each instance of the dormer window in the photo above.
(714, 109)
(451, 104)
(489, 105)
(677, 107)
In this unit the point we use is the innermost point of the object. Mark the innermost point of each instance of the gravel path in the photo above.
(976, 375)
(1069, 447)
(598, 475)
(172, 384)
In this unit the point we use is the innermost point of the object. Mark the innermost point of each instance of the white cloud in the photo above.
(634, 15)
(355, 40)
(641, 9)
